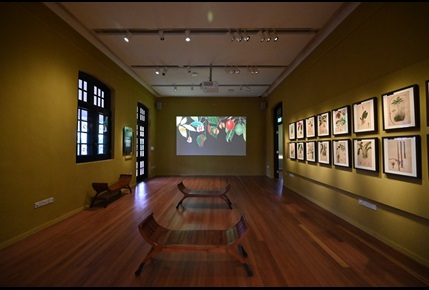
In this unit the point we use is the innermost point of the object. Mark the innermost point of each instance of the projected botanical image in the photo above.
(211, 135)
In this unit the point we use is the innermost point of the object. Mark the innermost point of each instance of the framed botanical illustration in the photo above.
(401, 156)
(300, 150)
(127, 141)
(324, 152)
(427, 103)
(365, 116)
(311, 151)
(310, 127)
(323, 124)
(300, 129)
(365, 154)
(292, 150)
(401, 108)
(341, 121)
(292, 131)
(341, 152)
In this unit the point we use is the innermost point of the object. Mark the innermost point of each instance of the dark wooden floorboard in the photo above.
(291, 242)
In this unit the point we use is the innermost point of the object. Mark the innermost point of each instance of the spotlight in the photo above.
(164, 71)
(187, 36)
(268, 37)
(127, 36)
(255, 70)
(157, 71)
(246, 36)
(175, 88)
(275, 36)
(192, 87)
(231, 36)
(238, 36)
(247, 88)
(189, 69)
(161, 35)
(261, 36)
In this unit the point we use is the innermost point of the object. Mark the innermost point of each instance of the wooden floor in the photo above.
(291, 242)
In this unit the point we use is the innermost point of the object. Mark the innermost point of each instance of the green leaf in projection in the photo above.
(200, 140)
(229, 135)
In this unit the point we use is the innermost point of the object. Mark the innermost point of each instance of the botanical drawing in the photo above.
(341, 154)
(292, 131)
(300, 129)
(300, 150)
(310, 151)
(399, 155)
(310, 127)
(323, 124)
(399, 110)
(364, 158)
(340, 120)
(364, 119)
(292, 150)
(323, 151)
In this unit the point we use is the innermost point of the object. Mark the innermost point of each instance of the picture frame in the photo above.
(310, 127)
(310, 151)
(401, 108)
(341, 152)
(427, 102)
(292, 150)
(365, 154)
(292, 135)
(323, 125)
(300, 129)
(341, 121)
(300, 150)
(324, 151)
(402, 156)
(127, 141)
(365, 116)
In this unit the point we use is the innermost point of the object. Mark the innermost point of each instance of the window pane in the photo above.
(84, 115)
(84, 127)
(100, 149)
(84, 150)
(100, 139)
(84, 138)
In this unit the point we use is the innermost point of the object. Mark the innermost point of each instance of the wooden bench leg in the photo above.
(149, 256)
(180, 202)
(243, 253)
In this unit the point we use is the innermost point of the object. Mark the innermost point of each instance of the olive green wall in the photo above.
(40, 57)
(171, 164)
(380, 47)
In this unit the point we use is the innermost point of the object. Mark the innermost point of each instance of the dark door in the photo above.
(141, 143)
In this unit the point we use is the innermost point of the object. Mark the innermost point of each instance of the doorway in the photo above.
(278, 141)
(141, 142)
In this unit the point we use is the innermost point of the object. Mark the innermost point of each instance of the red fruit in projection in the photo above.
(230, 124)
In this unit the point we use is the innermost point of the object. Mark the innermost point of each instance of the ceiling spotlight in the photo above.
(231, 36)
(192, 87)
(127, 36)
(268, 37)
(161, 35)
(275, 36)
(255, 70)
(246, 36)
(238, 36)
(241, 87)
(247, 88)
(175, 88)
(261, 36)
(157, 70)
(187, 36)
(189, 69)
(237, 70)
(164, 71)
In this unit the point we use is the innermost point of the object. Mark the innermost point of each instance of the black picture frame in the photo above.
(365, 116)
(365, 154)
(323, 124)
(300, 129)
(310, 127)
(324, 151)
(402, 156)
(341, 121)
(311, 151)
(341, 152)
(401, 109)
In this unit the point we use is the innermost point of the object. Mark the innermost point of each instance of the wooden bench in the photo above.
(165, 240)
(204, 193)
(105, 192)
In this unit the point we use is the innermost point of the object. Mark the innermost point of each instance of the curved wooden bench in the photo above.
(165, 240)
(204, 193)
(105, 191)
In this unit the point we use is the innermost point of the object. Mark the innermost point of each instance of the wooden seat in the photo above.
(105, 192)
(204, 193)
(166, 240)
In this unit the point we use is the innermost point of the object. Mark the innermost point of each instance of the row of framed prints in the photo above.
(401, 154)
(400, 110)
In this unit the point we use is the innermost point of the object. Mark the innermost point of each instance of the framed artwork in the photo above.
(127, 141)
(365, 116)
(323, 124)
(292, 150)
(365, 154)
(310, 127)
(341, 152)
(292, 131)
(324, 152)
(427, 103)
(311, 151)
(401, 155)
(401, 108)
(341, 121)
(300, 129)
(300, 150)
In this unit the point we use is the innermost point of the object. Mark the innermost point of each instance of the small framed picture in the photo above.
(324, 152)
(401, 108)
(365, 116)
(366, 154)
(341, 152)
(300, 150)
(323, 124)
(311, 151)
(300, 129)
(427, 103)
(292, 150)
(310, 127)
(341, 121)
(401, 156)
(292, 131)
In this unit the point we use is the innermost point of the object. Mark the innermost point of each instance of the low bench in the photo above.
(105, 192)
(165, 240)
(203, 193)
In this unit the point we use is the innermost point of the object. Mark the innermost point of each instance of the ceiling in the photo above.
(214, 62)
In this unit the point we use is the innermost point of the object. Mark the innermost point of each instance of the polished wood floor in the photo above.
(291, 242)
